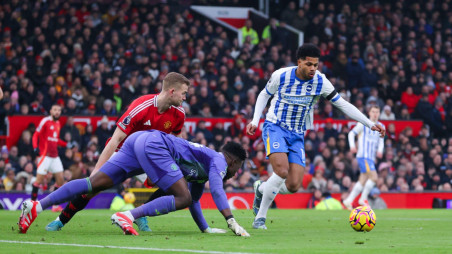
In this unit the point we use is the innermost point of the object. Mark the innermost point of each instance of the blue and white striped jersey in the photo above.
(294, 99)
(369, 142)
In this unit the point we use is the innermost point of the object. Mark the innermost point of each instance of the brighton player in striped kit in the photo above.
(370, 146)
(161, 111)
(295, 92)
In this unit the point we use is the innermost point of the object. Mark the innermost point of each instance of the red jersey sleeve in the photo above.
(129, 119)
(180, 120)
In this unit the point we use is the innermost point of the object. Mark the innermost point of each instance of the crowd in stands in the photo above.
(94, 59)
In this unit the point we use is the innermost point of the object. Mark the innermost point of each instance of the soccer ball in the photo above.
(129, 198)
(363, 218)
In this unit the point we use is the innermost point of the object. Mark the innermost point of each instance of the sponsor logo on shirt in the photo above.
(174, 167)
(148, 122)
(167, 125)
(122, 125)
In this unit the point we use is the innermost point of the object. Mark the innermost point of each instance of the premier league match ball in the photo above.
(129, 198)
(363, 218)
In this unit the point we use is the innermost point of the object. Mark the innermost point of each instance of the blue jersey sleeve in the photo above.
(196, 190)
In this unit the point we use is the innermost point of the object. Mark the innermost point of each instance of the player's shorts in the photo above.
(280, 140)
(49, 164)
(144, 152)
(365, 165)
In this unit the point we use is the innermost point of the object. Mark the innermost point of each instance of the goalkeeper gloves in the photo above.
(214, 230)
(236, 228)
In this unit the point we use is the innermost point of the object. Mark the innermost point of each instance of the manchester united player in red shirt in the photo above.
(48, 136)
(155, 111)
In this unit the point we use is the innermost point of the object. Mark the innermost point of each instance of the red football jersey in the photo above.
(48, 135)
(143, 114)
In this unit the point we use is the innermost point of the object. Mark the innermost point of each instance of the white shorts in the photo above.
(49, 164)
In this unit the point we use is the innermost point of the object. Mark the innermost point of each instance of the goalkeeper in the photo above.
(170, 163)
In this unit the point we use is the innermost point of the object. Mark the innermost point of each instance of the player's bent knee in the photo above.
(183, 201)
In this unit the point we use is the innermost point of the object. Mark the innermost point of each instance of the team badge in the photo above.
(309, 88)
(174, 167)
(126, 120)
(276, 145)
(167, 125)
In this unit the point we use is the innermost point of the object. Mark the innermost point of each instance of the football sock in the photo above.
(159, 206)
(67, 192)
(355, 191)
(158, 193)
(38, 207)
(75, 205)
(272, 188)
(262, 186)
(34, 192)
(283, 189)
(367, 187)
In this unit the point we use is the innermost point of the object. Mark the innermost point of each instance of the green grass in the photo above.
(289, 231)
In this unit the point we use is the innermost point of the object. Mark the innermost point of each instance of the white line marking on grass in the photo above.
(122, 247)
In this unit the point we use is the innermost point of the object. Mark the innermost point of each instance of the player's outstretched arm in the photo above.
(221, 201)
(356, 115)
(196, 190)
(110, 148)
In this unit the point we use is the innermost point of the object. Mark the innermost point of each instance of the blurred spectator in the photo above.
(387, 113)
(249, 35)
(375, 201)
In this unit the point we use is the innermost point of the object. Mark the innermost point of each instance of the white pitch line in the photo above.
(125, 248)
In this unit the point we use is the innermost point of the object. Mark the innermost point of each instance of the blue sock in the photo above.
(159, 206)
(66, 192)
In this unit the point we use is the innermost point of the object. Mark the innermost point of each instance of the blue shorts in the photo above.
(144, 152)
(366, 165)
(280, 140)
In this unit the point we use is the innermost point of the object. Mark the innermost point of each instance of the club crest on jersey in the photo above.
(126, 120)
(276, 145)
(167, 125)
(309, 88)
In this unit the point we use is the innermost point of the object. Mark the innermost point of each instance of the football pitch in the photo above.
(289, 231)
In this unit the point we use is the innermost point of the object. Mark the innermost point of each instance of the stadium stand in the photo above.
(93, 59)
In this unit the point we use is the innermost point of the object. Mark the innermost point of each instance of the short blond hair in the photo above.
(174, 80)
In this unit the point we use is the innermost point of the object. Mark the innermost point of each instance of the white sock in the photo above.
(57, 219)
(129, 215)
(284, 190)
(367, 187)
(355, 191)
(261, 187)
(38, 207)
(269, 193)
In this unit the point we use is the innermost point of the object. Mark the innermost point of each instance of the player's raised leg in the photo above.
(100, 181)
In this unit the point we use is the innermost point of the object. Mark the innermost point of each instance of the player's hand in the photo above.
(353, 149)
(380, 129)
(236, 228)
(36, 151)
(214, 230)
(251, 129)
